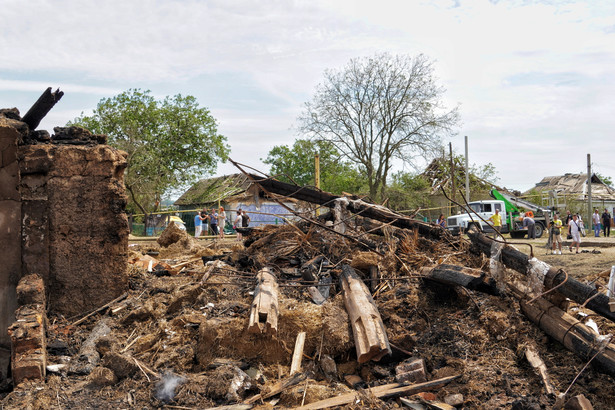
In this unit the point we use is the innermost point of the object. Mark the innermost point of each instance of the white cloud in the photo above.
(530, 76)
(40, 86)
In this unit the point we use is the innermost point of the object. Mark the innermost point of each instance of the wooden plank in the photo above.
(385, 391)
(371, 341)
(298, 353)
(534, 359)
(264, 311)
(354, 205)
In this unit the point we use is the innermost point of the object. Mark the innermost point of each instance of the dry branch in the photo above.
(534, 359)
(278, 387)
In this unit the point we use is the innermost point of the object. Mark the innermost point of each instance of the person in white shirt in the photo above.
(596, 219)
(574, 229)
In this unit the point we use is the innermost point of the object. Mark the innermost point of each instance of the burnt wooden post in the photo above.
(264, 312)
(370, 336)
(41, 107)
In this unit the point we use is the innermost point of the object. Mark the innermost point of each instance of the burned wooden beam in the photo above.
(41, 107)
(574, 335)
(264, 312)
(370, 335)
(453, 275)
(356, 206)
(570, 288)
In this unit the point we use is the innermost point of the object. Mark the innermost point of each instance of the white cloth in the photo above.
(575, 231)
(574, 227)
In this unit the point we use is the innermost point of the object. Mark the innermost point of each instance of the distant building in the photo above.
(233, 192)
(569, 191)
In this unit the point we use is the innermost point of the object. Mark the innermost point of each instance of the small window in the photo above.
(487, 207)
(498, 207)
(476, 208)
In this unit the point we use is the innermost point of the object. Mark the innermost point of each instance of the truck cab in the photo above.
(461, 222)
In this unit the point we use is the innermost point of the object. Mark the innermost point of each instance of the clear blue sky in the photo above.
(535, 80)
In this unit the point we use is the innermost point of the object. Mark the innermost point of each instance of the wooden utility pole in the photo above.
(317, 170)
(589, 190)
(317, 176)
(454, 187)
(467, 171)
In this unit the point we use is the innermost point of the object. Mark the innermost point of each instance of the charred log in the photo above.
(571, 288)
(41, 107)
(469, 278)
(576, 336)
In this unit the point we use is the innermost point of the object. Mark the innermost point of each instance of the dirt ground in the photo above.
(596, 254)
(175, 342)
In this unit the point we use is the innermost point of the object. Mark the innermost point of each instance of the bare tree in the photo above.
(378, 109)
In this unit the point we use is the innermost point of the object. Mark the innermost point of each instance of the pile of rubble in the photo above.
(304, 315)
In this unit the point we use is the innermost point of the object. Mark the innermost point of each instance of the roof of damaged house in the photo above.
(211, 190)
(576, 185)
(439, 176)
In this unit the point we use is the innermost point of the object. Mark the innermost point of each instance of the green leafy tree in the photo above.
(408, 191)
(296, 164)
(169, 142)
(380, 109)
(607, 180)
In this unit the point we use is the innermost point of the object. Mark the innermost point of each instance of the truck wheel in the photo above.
(517, 234)
(539, 229)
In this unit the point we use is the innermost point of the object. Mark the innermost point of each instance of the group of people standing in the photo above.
(214, 218)
(241, 221)
(217, 220)
(602, 222)
(574, 223)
